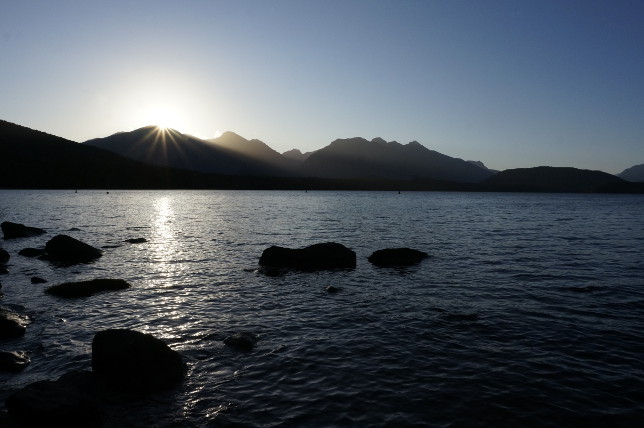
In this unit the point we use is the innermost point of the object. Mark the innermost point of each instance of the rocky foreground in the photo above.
(127, 362)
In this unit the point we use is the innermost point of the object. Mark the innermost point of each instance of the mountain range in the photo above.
(231, 154)
(164, 158)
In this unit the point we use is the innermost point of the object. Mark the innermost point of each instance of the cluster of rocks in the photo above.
(331, 255)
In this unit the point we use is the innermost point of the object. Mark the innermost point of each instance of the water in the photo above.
(530, 311)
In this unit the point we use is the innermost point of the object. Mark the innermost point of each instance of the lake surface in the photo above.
(530, 311)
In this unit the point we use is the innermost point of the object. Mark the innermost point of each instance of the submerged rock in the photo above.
(31, 252)
(136, 240)
(332, 289)
(65, 249)
(397, 257)
(38, 280)
(12, 324)
(329, 255)
(133, 360)
(86, 288)
(70, 401)
(242, 341)
(16, 230)
(13, 361)
(4, 256)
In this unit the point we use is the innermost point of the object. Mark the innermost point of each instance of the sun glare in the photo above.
(164, 118)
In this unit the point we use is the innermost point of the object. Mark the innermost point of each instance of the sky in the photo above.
(511, 83)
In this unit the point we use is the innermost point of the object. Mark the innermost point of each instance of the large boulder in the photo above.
(70, 401)
(13, 361)
(135, 361)
(67, 250)
(86, 288)
(397, 257)
(16, 230)
(4, 256)
(329, 255)
(12, 324)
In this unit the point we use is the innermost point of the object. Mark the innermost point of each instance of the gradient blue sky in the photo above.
(511, 83)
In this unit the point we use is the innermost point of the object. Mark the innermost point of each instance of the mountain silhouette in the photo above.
(297, 155)
(256, 150)
(553, 179)
(34, 159)
(229, 154)
(634, 173)
(378, 159)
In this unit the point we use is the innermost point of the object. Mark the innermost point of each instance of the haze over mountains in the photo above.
(153, 158)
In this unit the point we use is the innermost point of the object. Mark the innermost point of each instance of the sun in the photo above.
(164, 117)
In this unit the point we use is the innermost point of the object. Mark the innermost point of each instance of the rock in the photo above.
(332, 289)
(31, 252)
(38, 280)
(70, 401)
(328, 255)
(17, 230)
(133, 360)
(13, 361)
(3, 270)
(242, 341)
(136, 240)
(397, 257)
(86, 288)
(67, 250)
(4, 256)
(12, 324)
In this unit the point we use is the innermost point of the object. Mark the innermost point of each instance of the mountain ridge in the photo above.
(35, 159)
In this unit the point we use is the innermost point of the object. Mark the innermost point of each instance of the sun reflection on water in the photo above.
(167, 260)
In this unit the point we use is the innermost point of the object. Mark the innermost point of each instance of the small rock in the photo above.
(397, 257)
(67, 250)
(136, 240)
(242, 341)
(3, 270)
(4, 256)
(31, 252)
(16, 230)
(133, 360)
(38, 280)
(12, 324)
(86, 288)
(332, 289)
(13, 361)
(329, 255)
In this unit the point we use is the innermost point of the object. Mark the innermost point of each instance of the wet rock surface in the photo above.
(13, 361)
(329, 255)
(87, 288)
(4, 256)
(70, 401)
(397, 257)
(67, 250)
(12, 324)
(134, 360)
(241, 341)
(12, 230)
(32, 252)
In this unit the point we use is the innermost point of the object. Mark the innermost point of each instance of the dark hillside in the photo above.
(550, 179)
